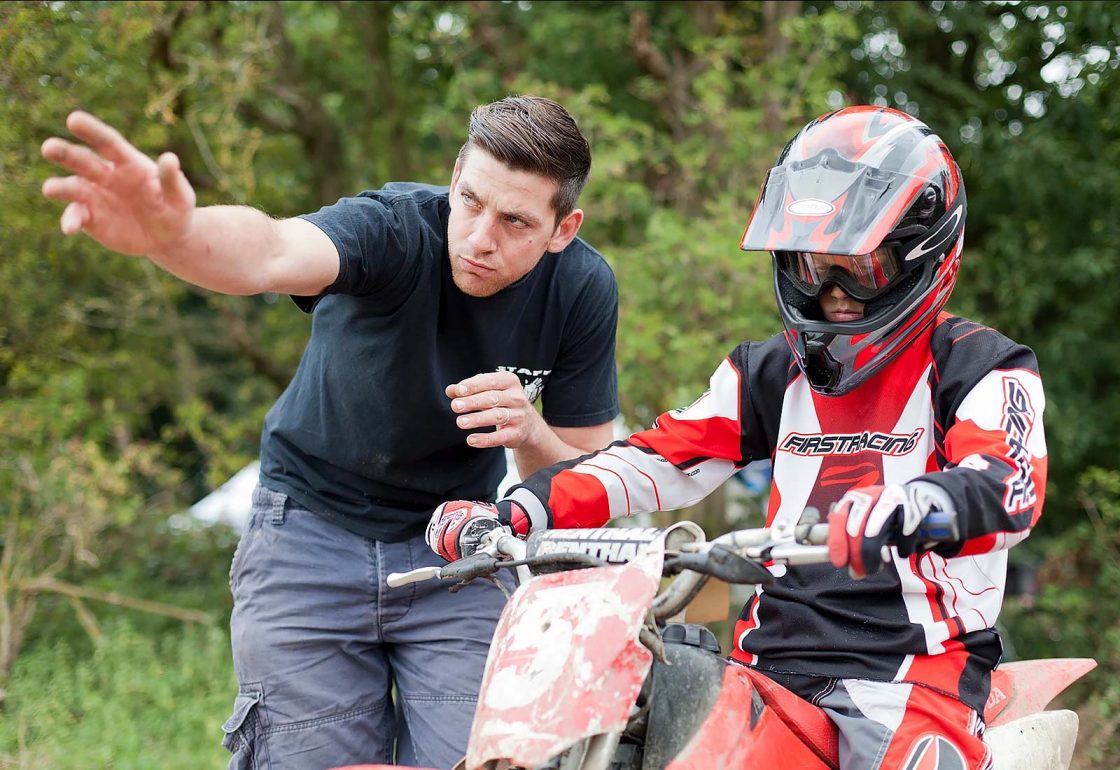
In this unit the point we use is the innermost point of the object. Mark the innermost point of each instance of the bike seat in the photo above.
(807, 722)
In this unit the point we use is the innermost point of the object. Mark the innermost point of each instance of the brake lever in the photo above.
(723, 563)
(467, 569)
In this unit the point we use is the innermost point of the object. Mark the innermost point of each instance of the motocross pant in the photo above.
(334, 667)
(895, 725)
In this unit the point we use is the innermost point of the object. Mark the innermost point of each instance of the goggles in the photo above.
(863, 276)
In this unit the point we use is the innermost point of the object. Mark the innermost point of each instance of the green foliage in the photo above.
(126, 394)
(176, 562)
(66, 479)
(1043, 275)
(138, 701)
(1078, 611)
(691, 297)
(1025, 95)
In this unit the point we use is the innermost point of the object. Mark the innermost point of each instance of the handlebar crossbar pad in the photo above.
(612, 545)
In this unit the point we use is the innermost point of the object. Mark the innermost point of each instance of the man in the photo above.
(439, 316)
(876, 405)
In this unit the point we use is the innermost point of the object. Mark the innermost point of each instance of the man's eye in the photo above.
(469, 199)
(517, 221)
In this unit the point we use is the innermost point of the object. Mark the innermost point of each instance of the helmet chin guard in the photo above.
(849, 183)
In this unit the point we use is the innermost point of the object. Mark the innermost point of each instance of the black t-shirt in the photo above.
(364, 434)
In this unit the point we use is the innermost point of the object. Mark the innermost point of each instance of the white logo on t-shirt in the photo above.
(532, 380)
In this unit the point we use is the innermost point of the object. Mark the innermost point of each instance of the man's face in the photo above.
(501, 224)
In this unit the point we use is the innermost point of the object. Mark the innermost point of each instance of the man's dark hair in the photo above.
(534, 134)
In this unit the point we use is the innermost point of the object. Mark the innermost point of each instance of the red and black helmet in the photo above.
(869, 199)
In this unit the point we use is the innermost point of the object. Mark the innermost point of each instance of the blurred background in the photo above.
(126, 396)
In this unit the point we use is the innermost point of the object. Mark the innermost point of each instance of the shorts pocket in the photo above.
(238, 556)
(242, 733)
(249, 535)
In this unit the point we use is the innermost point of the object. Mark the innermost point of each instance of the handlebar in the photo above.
(740, 556)
(500, 550)
(487, 560)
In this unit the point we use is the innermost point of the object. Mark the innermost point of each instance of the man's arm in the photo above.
(139, 207)
(556, 444)
(240, 250)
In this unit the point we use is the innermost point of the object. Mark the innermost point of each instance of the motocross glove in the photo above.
(456, 528)
(907, 516)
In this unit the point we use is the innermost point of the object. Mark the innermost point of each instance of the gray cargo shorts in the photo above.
(336, 668)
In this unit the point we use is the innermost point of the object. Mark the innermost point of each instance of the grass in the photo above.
(137, 702)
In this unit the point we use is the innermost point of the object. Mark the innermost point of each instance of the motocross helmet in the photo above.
(868, 199)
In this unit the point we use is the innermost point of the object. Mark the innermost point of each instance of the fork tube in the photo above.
(600, 750)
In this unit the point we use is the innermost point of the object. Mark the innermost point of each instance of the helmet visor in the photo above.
(863, 276)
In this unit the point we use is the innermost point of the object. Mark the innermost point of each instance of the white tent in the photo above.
(231, 502)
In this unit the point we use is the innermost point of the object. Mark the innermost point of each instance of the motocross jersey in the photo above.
(961, 407)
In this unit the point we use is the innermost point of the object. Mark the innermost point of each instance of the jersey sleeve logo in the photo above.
(1018, 419)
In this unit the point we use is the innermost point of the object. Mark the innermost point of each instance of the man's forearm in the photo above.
(239, 250)
(548, 450)
(226, 249)
(548, 445)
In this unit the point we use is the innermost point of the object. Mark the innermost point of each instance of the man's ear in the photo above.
(565, 231)
(455, 174)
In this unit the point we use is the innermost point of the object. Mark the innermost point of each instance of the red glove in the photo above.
(457, 527)
(866, 519)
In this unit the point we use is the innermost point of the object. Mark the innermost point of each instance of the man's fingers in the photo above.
(74, 218)
(81, 160)
(497, 416)
(478, 402)
(480, 383)
(177, 191)
(489, 399)
(500, 437)
(102, 137)
(67, 188)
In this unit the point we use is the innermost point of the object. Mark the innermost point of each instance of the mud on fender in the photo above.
(683, 694)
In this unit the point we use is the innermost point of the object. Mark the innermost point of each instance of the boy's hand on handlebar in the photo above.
(868, 518)
(456, 528)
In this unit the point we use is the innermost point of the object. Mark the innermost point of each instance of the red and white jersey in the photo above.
(961, 407)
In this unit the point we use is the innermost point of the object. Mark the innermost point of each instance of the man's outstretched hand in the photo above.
(118, 195)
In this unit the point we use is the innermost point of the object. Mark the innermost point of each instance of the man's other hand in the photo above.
(494, 400)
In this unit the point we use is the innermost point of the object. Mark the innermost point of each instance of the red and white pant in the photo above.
(896, 725)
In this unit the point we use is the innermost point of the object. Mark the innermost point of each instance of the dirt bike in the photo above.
(591, 667)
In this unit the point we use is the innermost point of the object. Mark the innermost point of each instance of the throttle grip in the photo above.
(938, 527)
